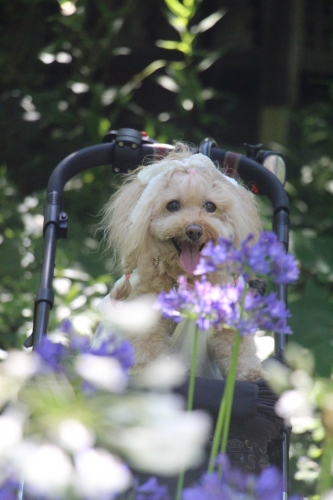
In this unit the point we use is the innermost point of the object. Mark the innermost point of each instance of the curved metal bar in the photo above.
(257, 177)
(77, 162)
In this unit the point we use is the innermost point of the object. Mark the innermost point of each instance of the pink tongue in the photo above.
(189, 257)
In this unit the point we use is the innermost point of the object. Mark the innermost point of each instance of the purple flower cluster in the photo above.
(263, 257)
(236, 306)
(9, 490)
(264, 313)
(151, 490)
(219, 306)
(56, 355)
(231, 484)
(205, 304)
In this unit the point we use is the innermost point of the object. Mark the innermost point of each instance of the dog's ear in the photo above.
(126, 230)
(245, 217)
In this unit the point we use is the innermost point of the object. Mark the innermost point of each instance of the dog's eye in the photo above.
(210, 206)
(173, 206)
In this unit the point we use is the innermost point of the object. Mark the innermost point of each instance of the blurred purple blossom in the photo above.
(57, 355)
(151, 490)
(217, 306)
(266, 256)
(231, 484)
(206, 304)
(9, 490)
(52, 353)
(121, 350)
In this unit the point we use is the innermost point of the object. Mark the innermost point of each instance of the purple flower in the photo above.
(206, 304)
(121, 350)
(151, 490)
(219, 256)
(67, 326)
(264, 313)
(264, 257)
(53, 354)
(9, 490)
(218, 306)
(269, 484)
(267, 256)
(57, 356)
(232, 484)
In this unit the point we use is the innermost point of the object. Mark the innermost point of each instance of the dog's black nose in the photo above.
(194, 232)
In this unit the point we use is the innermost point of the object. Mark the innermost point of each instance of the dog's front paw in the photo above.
(251, 374)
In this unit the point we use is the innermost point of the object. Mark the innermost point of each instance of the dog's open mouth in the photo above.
(189, 254)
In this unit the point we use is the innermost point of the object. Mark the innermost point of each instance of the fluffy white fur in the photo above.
(149, 238)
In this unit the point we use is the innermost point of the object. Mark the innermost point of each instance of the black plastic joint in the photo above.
(62, 225)
(253, 150)
(45, 295)
(206, 146)
(52, 208)
(127, 150)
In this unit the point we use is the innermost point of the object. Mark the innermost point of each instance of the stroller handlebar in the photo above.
(126, 158)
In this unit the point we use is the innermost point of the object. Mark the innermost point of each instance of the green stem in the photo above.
(229, 391)
(223, 419)
(190, 394)
(190, 397)
(325, 478)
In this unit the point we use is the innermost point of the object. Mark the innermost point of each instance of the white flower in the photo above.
(294, 405)
(277, 375)
(10, 433)
(20, 364)
(74, 436)
(161, 437)
(46, 469)
(101, 371)
(99, 473)
(134, 317)
(328, 495)
(163, 373)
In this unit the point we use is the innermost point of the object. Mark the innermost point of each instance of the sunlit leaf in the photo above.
(178, 8)
(171, 45)
(208, 22)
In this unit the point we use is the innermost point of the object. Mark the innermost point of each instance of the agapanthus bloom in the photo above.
(266, 256)
(236, 305)
(206, 304)
(151, 490)
(220, 306)
(9, 490)
(231, 484)
(56, 355)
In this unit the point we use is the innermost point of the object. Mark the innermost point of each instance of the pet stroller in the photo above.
(257, 436)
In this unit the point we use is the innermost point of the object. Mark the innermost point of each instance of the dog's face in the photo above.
(180, 211)
(192, 206)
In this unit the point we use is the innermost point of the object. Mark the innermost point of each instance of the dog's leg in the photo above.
(248, 366)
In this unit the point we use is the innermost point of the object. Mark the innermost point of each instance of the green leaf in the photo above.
(208, 22)
(170, 45)
(178, 8)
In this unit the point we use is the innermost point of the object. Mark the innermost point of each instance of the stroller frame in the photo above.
(125, 150)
